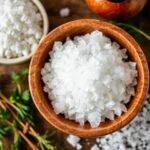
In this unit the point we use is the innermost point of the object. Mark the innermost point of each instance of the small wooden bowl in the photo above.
(42, 11)
(81, 27)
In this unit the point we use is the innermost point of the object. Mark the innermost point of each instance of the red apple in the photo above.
(116, 9)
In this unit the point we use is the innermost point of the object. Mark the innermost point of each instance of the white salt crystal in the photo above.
(94, 119)
(97, 140)
(89, 79)
(78, 146)
(20, 28)
(73, 140)
(95, 147)
(8, 54)
(64, 12)
(135, 136)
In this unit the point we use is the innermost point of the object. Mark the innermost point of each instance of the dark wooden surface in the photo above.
(78, 10)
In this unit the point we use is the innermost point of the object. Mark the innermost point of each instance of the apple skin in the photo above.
(116, 10)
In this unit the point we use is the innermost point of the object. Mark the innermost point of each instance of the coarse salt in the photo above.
(73, 140)
(64, 12)
(20, 28)
(89, 78)
(94, 147)
(135, 136)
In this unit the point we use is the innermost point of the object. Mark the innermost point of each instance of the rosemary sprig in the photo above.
(16, 117)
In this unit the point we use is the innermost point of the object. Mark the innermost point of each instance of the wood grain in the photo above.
(81, 27)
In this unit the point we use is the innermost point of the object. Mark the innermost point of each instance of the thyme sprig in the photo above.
(16, 117)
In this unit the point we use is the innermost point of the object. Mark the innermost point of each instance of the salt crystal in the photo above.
(97, 140)
(135, 136)
(64, 12)
(20, 28)
(73, 140)
(95, 147)
(78, 146)
(89, 78)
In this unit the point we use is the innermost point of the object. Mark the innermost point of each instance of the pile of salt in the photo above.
(20, 28)
(89, 78)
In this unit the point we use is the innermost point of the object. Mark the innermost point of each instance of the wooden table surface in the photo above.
(78, 10)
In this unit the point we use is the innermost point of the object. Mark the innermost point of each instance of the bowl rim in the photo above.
(90, 132)
(12, 61)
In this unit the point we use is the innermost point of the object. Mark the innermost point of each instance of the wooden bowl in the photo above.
(80, 27)
(22, 59)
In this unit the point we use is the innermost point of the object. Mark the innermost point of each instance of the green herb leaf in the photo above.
(14, 146)
(15, 96)
(19, 115)
(4, 114)
(1, 145)
(43, 141)
(14, 126)
(17, 141)
(4, 129)
(25, 71)
(26, 95)
(15, 78)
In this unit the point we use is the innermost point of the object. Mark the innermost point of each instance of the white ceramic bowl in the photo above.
(22, 59)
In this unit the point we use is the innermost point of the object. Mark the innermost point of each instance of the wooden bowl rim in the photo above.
(92, 132)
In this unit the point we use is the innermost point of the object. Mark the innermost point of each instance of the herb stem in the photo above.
(6, 100)
(13, 114)
(135, 29)
(17, 118)
(33, 133)
(34, 147)
(25, 126)
(2, 105)
(19, 88)
(22, 134)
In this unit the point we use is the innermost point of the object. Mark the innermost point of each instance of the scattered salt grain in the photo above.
(94, 147)
(64, 12)
(89, 79)
(73, 140)
(97, 140)
(135, 136)
(20, 28)
(78, 146)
